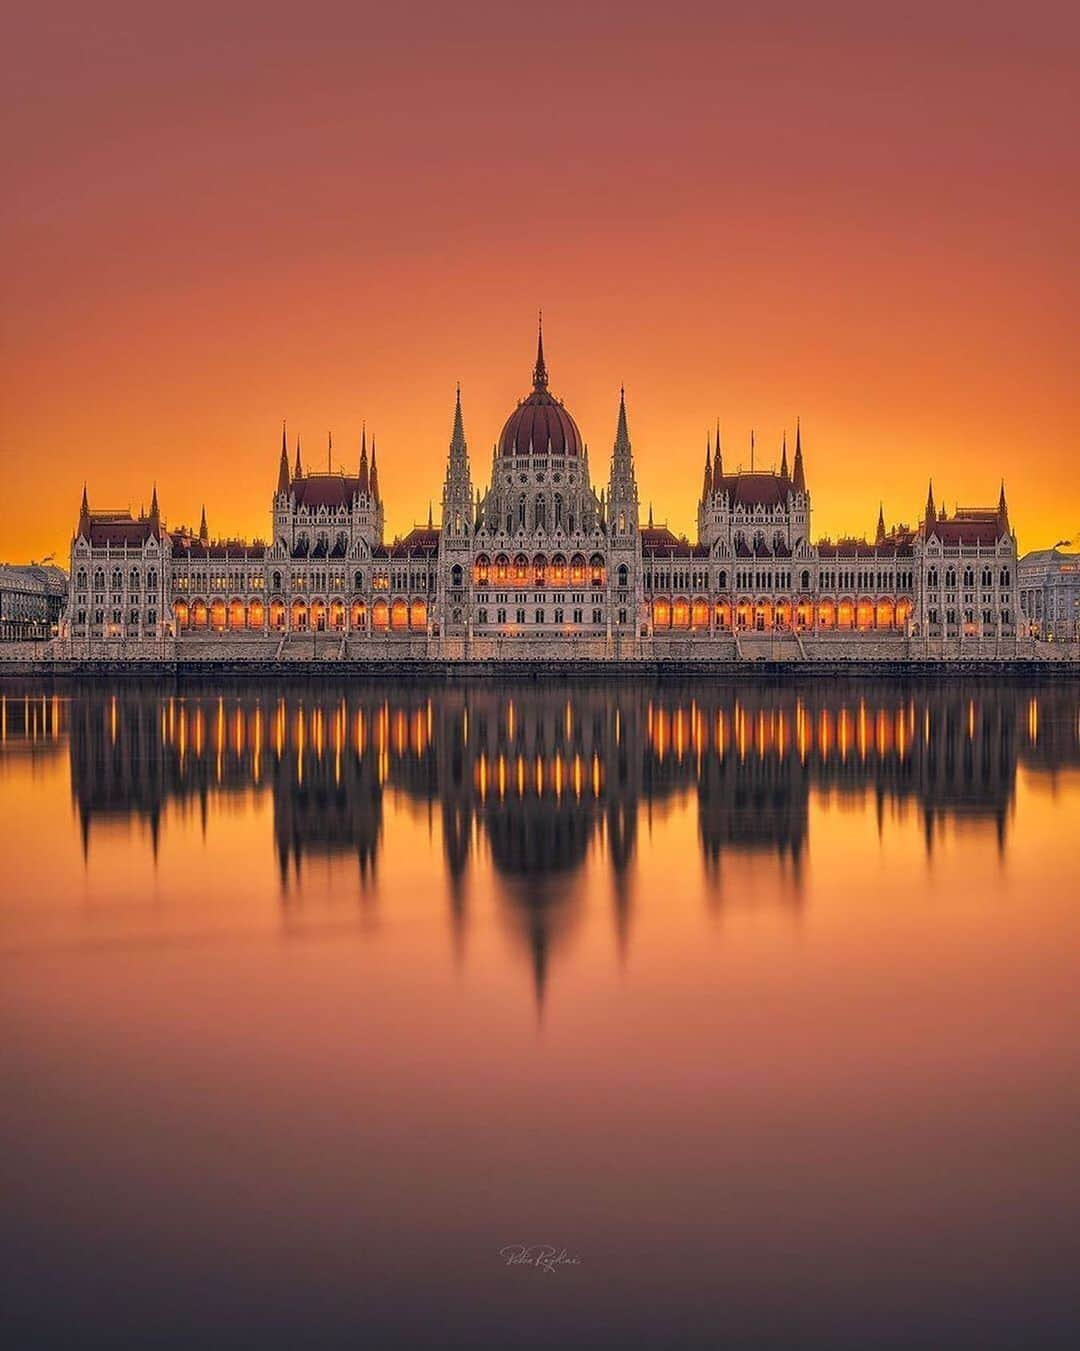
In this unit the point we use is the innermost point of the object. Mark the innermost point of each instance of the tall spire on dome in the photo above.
(798, 478)
(298, 471)
(540, 375)
(283, 464)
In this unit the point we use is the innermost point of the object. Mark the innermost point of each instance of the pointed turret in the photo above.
(1003, 508)
(204, 533)
(783, 458)
(718, 463)
(540, 375)
(373, 478)
(283, 465)
(84, 515)
(706, 487)
(155, 511)
(298, 469)
(879, 538)
(362, 478)
(798, 478)
(931, 510)
(622, 431)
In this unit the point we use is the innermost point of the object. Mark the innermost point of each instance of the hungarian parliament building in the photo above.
(543, 562)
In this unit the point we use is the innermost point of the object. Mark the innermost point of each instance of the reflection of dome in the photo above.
(540, 425)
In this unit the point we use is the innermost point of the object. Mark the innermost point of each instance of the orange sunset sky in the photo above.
(217, 216)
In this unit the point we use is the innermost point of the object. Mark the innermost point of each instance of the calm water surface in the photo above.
(760, 1001)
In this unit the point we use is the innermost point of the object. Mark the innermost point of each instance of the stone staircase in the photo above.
(770, 647)
(311, 647)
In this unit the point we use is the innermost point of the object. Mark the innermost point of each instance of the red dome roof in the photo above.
(540, 422)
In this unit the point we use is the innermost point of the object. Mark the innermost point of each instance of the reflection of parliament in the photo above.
(544, 564)
(543, 781)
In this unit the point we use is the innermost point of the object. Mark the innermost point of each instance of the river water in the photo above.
(330, 1008)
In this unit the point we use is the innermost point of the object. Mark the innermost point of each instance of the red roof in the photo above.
(325, 490)
(969, 525)
(753, 490)
(659, 542)
(420, 540)
(540, 423)
(118, 530)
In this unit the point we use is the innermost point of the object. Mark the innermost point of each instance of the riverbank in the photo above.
(426, 669)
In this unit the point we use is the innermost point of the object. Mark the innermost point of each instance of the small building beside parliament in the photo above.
(544, 561)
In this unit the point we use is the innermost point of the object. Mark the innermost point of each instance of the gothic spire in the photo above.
(84, 515)
(622, 431)
(374, 476)
(457, 437)
(204, 533)
(362, 479)
(880, 537)
(707, 486)
(155, 513)
(798, 478)
(283, 464)
(1003, 506)
(540, 375)
(298, 471)
(718, 464)
(931, 510)
(783, 458)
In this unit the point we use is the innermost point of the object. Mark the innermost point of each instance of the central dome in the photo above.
(540, 425)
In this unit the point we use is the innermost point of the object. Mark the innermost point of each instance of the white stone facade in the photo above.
(543, 562)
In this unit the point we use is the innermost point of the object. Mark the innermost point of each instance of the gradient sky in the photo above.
(215, 217)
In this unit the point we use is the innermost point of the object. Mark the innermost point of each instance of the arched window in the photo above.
(521, 569)
(721, 579)
(558, 511)
(482, 569)
(151, 579)
(623, 576)
(358, 580)
(275, 581)
(931, 577)
(987, 577)
(80, 579)
(457, 576)
(541, 514)
(969, 576)
(804, 581)
(133, 581)
(577, 568)
(950, 578)
(117, 579)
(1005, 576)
(521, 512)
(596, 570)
